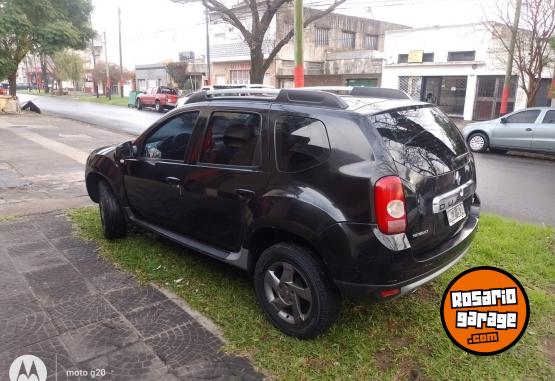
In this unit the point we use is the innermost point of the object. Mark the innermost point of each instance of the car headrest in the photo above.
(237, 134)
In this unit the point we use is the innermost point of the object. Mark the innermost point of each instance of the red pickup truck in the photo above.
(160, 98)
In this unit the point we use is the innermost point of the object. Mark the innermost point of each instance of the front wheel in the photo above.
(294, 292)
(478, 142)
(158, 107)
(138, 104)
(111, 213)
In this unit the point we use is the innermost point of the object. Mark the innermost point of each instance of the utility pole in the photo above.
(120, 56)
(108, 84)
(509, 70)
(95, 84)
(299, 55)
(208, 68)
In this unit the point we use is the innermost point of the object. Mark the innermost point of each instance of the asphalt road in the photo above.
(513, 186)
(119, 119)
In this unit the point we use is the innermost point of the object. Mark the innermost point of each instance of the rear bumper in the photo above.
(382, 269)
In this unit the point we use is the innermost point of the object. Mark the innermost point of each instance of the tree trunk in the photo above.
(533, 87)
(257, 65)
(12, 79)
(60, 89)
(44, 74)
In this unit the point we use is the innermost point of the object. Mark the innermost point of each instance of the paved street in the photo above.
(518, 187)
(120, 119)
(75, 312)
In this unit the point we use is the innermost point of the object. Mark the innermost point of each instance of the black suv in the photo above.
(366, 194)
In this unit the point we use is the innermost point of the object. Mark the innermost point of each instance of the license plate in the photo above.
(455, 214)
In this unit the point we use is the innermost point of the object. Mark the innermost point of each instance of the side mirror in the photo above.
(125, 151)
(503, 120)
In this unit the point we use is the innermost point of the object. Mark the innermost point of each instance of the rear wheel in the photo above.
(138, 104)
(111, 213)
(158, 107)
(294, 292)
(478, 142)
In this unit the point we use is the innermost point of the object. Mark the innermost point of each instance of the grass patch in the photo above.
(8, 218)
(116, 99)
(403, 339)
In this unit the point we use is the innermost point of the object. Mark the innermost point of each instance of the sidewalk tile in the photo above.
(38, 261)
(24, 330)
(99, 338)
(129, 299)
(80, 312)
(156, 319)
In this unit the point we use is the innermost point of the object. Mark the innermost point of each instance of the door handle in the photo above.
(173, 180)
(528, 129)
(244, 194)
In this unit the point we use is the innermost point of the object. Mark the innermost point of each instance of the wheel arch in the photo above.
(264, 237)
(91, 182)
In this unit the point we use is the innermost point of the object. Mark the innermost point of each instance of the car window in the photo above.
(300, 142)
(167, 90)
(423, 139)
(549, 117)
(528, 116)
(232, 138)
(170, 141)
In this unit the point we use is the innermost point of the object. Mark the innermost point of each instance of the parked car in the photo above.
(531, 129)
(318, 196)
(161, 98)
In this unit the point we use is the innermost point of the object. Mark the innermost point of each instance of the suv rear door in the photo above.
(223, 185)
(436, 168)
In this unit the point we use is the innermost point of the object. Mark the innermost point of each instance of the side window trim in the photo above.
(538, 112)
(251, 168)
(162, 123)
(276, 153)
(552, 119)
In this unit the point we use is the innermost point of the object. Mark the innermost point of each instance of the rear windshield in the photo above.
(421, 138)
(167, 90)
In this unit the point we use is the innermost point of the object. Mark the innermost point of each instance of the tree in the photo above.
(99, 73)
(67, 66)
(254, 27)
(532, 53)
(42, 26)
(179, 73)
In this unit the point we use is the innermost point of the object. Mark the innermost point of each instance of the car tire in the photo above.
(304, 304)
(478, 142)
(158, 107)
(111, 214)
(138, 104)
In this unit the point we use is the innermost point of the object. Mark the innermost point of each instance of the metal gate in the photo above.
(488, 96)
(411, 85)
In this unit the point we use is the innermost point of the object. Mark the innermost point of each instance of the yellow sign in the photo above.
(415, 56)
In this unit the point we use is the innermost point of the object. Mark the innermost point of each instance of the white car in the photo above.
(531, 129)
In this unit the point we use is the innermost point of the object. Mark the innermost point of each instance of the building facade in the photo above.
(339, 50)
(460, 68)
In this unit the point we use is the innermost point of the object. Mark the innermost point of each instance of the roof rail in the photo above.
(300, 96)
(313, 97)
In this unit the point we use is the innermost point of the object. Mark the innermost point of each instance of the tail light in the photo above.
(389, 203)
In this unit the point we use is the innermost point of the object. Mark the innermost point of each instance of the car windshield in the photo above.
(421, 138)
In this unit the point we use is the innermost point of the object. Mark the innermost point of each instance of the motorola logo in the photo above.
(28, 368)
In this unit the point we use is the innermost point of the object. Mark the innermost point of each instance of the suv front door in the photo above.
(517, 131)
(154, 180)
(222, 187)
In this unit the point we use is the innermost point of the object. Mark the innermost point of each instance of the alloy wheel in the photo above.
(288, 292)
(477, 143)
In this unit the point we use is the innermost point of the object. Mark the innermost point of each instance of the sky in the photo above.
(157, 30)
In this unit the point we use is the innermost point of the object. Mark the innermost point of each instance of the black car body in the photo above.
(322, 172)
